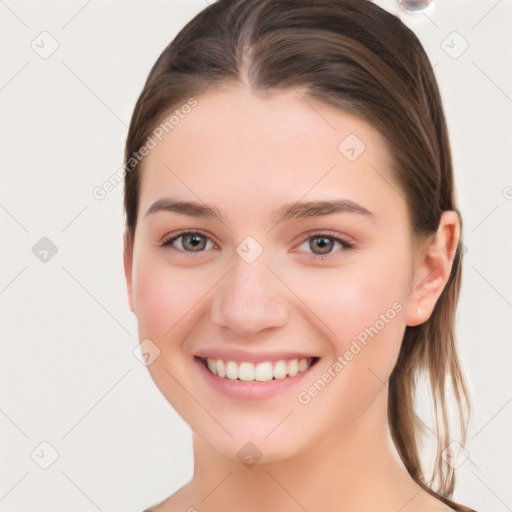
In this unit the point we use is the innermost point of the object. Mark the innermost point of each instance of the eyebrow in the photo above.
(297, 210)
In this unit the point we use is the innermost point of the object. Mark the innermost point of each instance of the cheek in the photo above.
(348, 301)
(164, 300)
(163, 296)
(364, 309)
(362, 306)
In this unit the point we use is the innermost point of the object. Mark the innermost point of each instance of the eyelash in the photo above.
(344, 243)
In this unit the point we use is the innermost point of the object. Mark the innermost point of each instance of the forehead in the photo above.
(234, 146)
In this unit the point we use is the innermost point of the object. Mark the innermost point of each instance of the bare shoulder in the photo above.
(164, 506)
(425, 502)
(154, 508)
(179, 501)
(437, 505)
(167, 506)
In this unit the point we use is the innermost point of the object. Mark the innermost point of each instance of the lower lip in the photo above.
(249, 390)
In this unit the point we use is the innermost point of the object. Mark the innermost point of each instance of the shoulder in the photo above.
(431, 502)
(177, 502)
(461, 508)
(167, 507)
(157, 508)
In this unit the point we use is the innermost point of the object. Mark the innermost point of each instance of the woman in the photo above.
(292, 256)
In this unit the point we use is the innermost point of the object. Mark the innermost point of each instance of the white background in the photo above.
(68, 374)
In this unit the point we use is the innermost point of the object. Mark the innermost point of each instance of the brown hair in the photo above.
(357, 57)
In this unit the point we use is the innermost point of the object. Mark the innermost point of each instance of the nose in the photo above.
(249, 299)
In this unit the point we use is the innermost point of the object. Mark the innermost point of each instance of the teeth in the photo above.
(261, 372)
(221, 368)
(231, 370)
(212, 365)
(280, 370)
(293, 367)
(246, 371)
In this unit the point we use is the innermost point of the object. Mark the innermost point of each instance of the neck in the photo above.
(355, 467)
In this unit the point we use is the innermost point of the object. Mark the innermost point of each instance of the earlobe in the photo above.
(432, 270)
(127, 263)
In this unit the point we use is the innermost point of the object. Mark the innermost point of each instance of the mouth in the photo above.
(264, 371)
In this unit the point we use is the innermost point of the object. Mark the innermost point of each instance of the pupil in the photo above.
(196, 238)
(322, 245)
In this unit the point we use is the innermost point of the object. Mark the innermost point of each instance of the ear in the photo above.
(432, 268)
(127, 262)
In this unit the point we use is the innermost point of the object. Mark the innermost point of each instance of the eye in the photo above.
(190, 241)
(324, 244)
(321, 244)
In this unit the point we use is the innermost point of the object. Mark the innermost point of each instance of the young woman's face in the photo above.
(277, 281)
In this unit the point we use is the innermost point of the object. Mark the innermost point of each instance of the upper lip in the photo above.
(249, 357)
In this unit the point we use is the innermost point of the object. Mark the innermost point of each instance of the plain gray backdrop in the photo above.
(82, 426)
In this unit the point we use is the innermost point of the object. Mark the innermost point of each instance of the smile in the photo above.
(263, 371)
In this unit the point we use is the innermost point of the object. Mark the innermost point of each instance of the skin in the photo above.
(248, 155)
